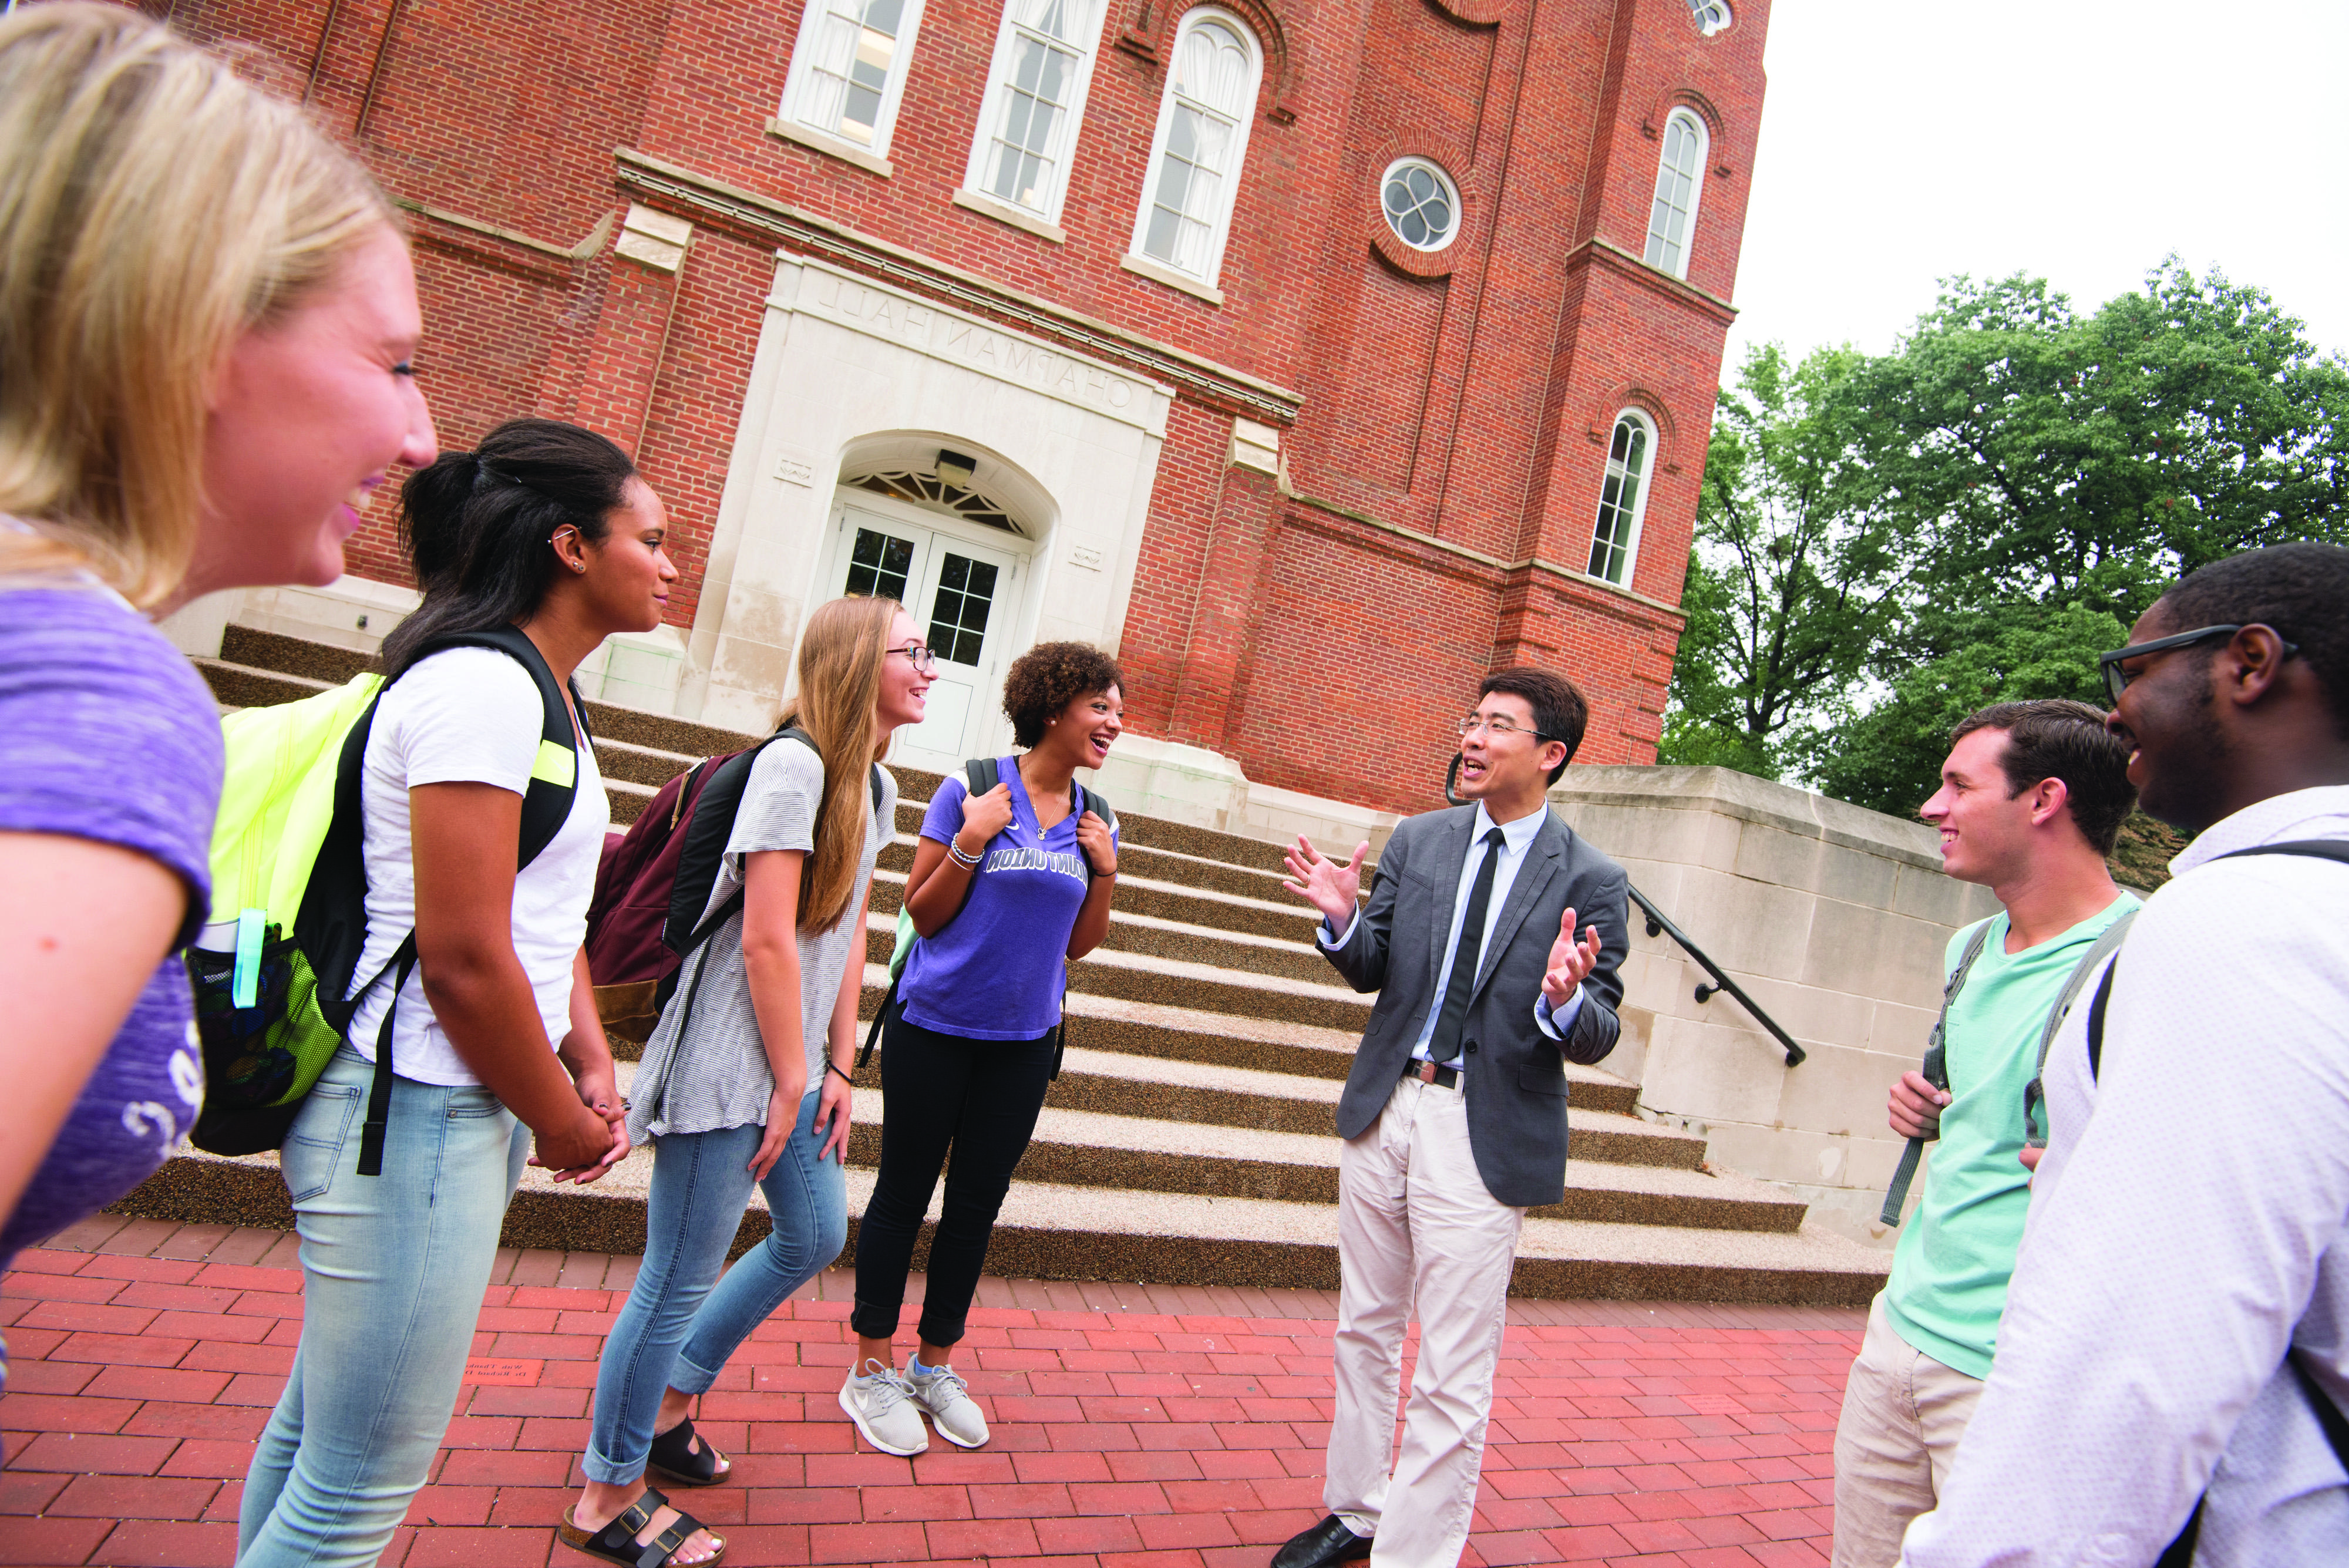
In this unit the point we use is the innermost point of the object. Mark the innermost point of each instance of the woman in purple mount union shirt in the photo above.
(206, 313)
(1005, 890)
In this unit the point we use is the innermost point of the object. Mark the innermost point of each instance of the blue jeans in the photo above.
(393, 1270)
(676, 1331)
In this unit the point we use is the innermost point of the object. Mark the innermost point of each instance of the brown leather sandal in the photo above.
(616, 1542)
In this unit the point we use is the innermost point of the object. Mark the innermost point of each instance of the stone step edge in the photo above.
(917, 784)
(198, 1190)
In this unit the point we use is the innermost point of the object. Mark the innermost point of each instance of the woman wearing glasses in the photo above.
(765, 1011)
(1005, 889)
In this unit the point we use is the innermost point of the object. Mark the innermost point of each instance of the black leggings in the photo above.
(982, 1097)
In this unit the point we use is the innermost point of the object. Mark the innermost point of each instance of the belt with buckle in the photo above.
(1429, 1072)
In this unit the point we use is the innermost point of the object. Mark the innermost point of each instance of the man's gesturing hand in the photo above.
(1329, 885)
(1570, 962)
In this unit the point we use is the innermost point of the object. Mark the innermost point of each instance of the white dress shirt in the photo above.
(2186, 1226)
(1516, 838)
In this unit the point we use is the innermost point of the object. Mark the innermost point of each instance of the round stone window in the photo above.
(1420, 203)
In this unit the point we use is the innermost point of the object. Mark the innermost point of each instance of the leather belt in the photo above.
(1429, 1072)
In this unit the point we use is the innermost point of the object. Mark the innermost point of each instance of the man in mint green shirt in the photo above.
(2031, 798)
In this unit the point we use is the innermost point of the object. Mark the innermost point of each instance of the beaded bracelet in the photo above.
(968, 862)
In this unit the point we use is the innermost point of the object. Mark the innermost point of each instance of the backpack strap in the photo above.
(2315, 848)
(1937, 1072)
(724, 795)
(546, 804)
(2180, 1553)
(2035, 1094)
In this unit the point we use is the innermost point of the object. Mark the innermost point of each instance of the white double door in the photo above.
(963, 589)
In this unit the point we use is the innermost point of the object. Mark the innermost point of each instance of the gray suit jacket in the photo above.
(1515, 1081)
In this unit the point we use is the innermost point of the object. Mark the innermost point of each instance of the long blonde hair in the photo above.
(154, 206)
(839, 686)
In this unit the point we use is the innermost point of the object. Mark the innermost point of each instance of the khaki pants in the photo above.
(1903, 1413)
(1416, 1227)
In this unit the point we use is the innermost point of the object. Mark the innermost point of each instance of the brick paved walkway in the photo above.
(1135, 1427)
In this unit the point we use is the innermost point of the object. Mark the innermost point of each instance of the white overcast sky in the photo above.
(2079, 141)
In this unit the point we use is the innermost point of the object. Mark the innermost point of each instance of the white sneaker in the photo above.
(947, 1399)
(878, 1401)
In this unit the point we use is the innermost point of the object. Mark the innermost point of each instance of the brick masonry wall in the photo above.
(1465, 397)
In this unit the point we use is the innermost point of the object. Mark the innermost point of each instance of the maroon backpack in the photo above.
(654, 883)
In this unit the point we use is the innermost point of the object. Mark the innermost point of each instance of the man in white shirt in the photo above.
(2176, 1332)
(1454, 1112)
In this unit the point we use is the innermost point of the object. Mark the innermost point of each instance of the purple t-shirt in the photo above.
(996, 970)
(108, 734)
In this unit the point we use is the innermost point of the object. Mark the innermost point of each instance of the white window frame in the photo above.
(1443, 182)
(1711, 15)
(1092, 19)
(1703, 138)
(1141, 261)
(1614, 472)
(791, 118)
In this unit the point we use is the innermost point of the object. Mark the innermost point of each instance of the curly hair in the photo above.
(1047, 678)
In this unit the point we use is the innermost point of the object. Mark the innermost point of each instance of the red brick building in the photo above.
(1314, 358)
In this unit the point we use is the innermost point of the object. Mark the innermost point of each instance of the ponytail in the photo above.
(478, 526)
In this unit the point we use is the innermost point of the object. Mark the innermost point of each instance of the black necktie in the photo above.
(1444, 1045)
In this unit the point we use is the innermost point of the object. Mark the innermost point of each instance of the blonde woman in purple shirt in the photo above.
(1005, 890)
(206, 315)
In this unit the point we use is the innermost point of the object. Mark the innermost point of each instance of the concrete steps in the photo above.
(1188, 1137)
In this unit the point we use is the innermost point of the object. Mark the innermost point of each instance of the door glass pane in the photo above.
(879, 564)
(959, 616)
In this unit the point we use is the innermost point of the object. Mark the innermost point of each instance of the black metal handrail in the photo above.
(1659, 925)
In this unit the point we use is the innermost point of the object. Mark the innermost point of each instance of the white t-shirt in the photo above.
(469, 715)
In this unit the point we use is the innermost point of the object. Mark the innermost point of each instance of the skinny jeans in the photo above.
(978, 1097)
(682, 1322)
(393, 1270)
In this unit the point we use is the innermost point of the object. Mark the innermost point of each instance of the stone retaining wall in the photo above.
(1833, 917)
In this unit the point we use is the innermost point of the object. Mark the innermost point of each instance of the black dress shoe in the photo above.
(1326, 1545)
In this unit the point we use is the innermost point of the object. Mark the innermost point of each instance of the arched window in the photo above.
(1679, 179)
(1194, 162)
(1622, 498)
(1035, 99)
(1711, 15)
(848, 70)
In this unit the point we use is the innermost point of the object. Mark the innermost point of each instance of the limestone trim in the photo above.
(1005, 212)
(596, 238)
(1615, 258)
(1478, 557)
(1159, 272)
(747, 213)
(815, 140)
(908, 321)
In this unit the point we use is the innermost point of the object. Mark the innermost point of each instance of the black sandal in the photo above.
(673, 1457)
(616, 1542)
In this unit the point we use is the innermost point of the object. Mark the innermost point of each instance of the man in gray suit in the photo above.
(1455, 1112)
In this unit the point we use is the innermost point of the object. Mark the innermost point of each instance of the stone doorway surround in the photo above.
(848, 369)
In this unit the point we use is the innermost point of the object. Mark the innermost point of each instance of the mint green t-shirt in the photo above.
(1957, 1252)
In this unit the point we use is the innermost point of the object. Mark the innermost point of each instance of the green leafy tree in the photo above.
(2041, 477)
(1789, 590)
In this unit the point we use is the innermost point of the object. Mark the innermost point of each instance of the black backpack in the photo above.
(708, 827)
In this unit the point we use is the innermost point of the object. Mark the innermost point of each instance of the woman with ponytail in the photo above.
(548, 529)
(206, 315)
(764, 1012)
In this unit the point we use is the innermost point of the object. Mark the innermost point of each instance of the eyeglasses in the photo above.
(924, 661)
(1498, 729)
(2117, 680)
